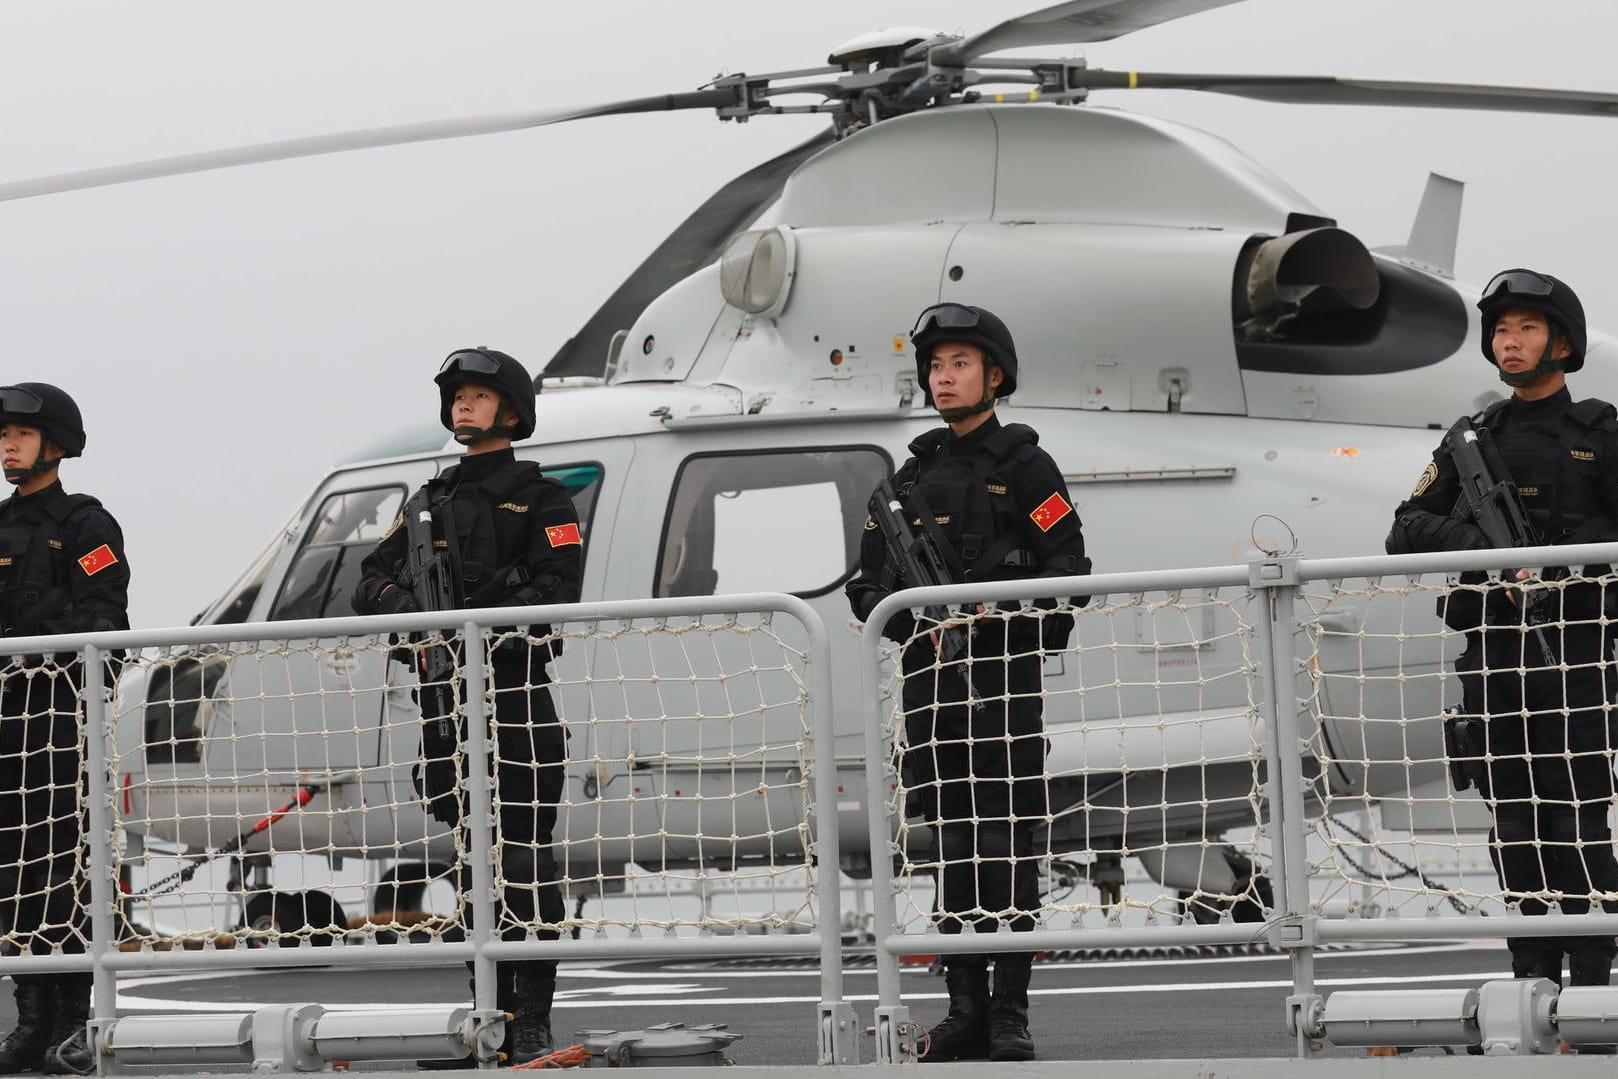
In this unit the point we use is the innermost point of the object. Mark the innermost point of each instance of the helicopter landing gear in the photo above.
(296, 916)
(403, 887)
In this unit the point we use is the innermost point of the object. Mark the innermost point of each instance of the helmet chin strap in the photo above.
(961, 412)
(40, 466)
(467, 435)
(1546, 366)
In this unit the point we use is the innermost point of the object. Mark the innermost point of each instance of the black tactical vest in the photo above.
(34, 565)
(1562, 480)
(489, 525)
(967, 498)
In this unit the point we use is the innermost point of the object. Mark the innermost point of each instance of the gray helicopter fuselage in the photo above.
(733, 452)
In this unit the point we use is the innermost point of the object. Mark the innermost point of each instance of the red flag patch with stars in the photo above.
(562, 535)
(97, 560)
(1048, 512)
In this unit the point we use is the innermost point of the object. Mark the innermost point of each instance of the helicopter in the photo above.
(1329, 345)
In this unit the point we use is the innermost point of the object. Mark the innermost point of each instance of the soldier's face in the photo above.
(474, 406)
(1520, 337)
(19, 445)
(956, 376)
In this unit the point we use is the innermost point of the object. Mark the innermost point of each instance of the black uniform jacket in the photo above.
(62, 565)
(516, 536)
(1563, 456)
(1000, 502)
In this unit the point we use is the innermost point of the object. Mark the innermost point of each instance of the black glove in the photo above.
(396, 600)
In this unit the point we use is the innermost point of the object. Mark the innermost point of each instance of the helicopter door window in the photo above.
(787, 521)
(320, 583)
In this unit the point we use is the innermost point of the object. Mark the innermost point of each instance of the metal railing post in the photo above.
(480, 826)
(838, 1031)
(100, 833)
(1275, 582)
(891, 1015)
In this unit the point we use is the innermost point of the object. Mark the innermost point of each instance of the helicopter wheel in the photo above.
(292, 913)
(392, 894)
(1251, 906)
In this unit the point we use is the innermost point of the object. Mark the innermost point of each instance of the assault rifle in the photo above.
(431, 580)
(920, 560)
(1491, 497)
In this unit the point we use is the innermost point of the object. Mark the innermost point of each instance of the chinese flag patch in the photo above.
(97, 560)
(562, 535)
(1048, 512)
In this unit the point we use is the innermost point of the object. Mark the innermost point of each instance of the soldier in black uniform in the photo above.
(515, 542)
(62, 570)
(1550, 737)
(974, 762)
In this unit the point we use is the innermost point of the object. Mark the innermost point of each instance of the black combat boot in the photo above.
(528, 1036)
(24, 1048)
(964, 1032)
(1584, 968)
(1008, 1010)
(68, 1051)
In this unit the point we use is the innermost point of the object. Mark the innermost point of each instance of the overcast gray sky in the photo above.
(230, 336)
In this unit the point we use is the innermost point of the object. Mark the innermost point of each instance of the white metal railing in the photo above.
(1346, 673)
(701, 736)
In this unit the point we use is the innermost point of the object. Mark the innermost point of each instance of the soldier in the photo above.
(513, 537)
(1549, 736)
(62, 570)
(974, 761)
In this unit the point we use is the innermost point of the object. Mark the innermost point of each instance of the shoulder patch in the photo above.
(512, 506)
(1050, 511)
(563, 535)
(398, 519)
(870, 524)
(97, 560)
(1428, 475)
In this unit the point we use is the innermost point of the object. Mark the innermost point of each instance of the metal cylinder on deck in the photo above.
(1587, 1015)
(1408, 1017)
(181, 1039)
(413, 1033)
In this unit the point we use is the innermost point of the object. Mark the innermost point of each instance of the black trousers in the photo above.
(530, 769)
(1549, 785)
(974, 769)
(42, 884)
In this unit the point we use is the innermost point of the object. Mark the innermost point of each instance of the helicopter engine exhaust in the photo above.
(1303, 284)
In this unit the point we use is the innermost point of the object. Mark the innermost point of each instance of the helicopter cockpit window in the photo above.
(787, 521)
(320, 583)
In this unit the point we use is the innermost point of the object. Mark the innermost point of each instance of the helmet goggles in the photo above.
(945, 316)
(469, 361)
(1518, 283)
(20, 402)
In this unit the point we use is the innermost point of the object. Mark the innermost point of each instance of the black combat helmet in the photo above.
(41, 405)
(969, 325)
(1539, 292)
(492, 368)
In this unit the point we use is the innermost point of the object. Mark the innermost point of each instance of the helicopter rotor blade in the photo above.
(1076, 22)
(697, 241)
(1326, 90)
(344, 141)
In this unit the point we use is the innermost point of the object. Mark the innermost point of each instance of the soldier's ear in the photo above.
(996, 376)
